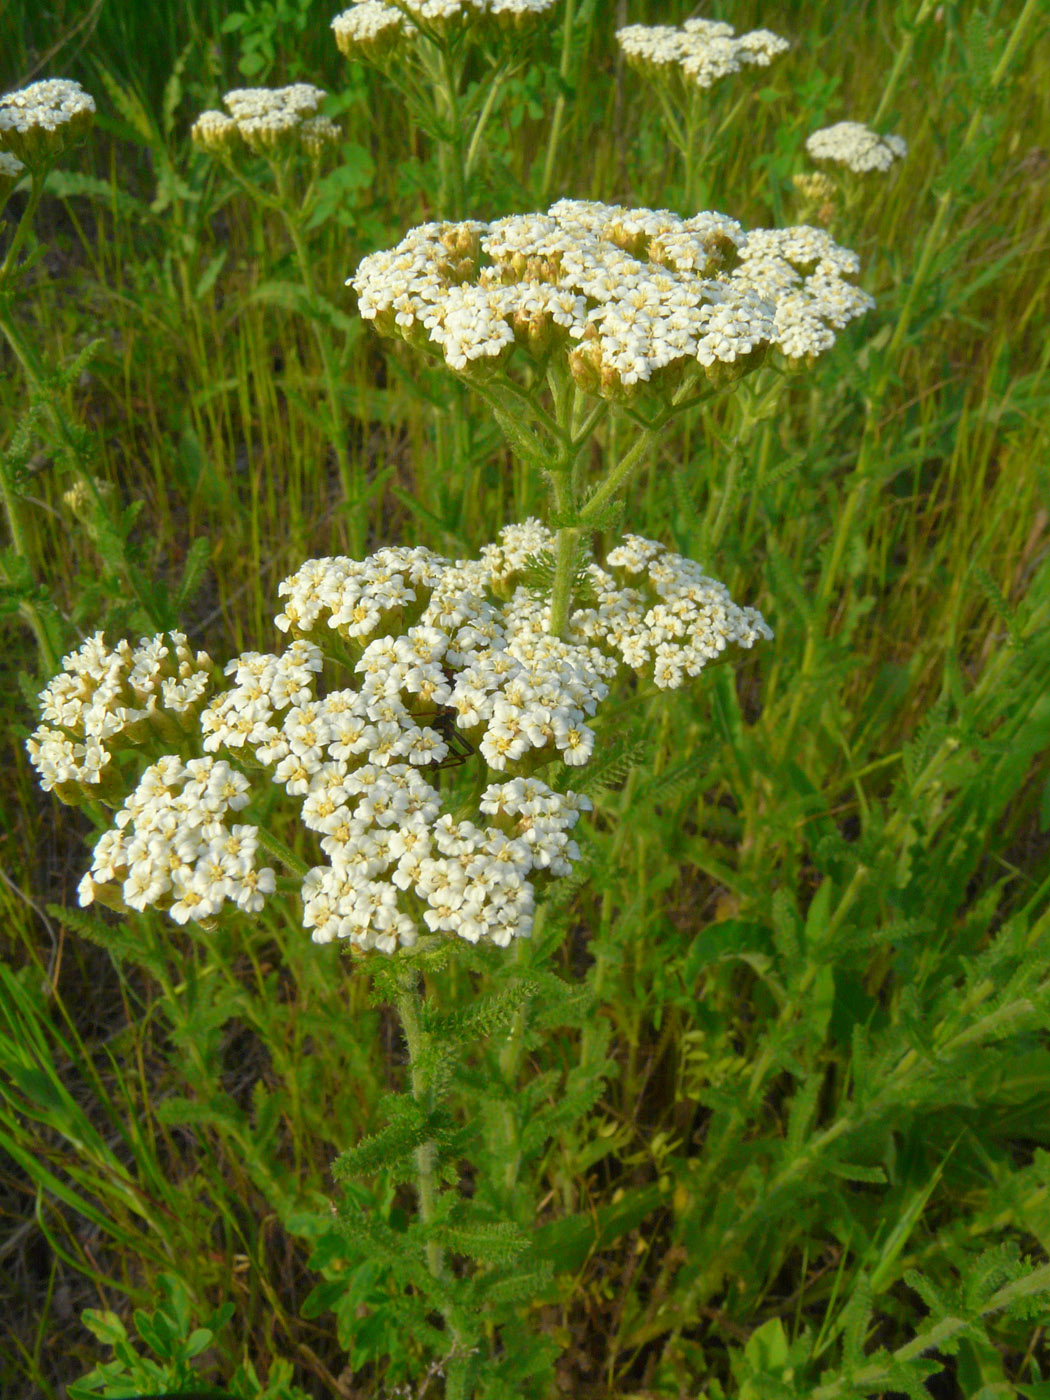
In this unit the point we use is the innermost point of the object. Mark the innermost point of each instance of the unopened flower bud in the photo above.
(215, 133)
(317, 134)
(11, 171)
(371, 31)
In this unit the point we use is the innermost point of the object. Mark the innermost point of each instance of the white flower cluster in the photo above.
(371, 30)
(106, 700)
(662, 614)
(398, 666)
(702, 51)
(267, 120)
(40, 121)
(639, 291)
(170, 847)
(856, 146)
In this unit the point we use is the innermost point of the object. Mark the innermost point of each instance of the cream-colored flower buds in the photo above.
(318, 133)
(371, 31)
(11, 171)
(268, 121)
(39, 122)
(215, 133)
(80, 500)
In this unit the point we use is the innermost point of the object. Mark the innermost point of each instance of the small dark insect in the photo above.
(443, 721)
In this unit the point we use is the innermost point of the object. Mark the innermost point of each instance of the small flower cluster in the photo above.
(663, 615)
(170, 847)
(702, 51)
(371, 30)
(104, 700)
(856, 146)
(39, 122)
(267, 121)
(641, 292)
(445, 661)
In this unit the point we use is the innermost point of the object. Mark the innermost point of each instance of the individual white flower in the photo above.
(856, 146)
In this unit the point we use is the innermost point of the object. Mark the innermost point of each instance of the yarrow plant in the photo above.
(601, 304)
(424, 48)
(851, 154)
(681, 64)
(399, 666)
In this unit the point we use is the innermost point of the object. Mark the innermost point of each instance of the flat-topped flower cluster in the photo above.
(701, 51)
(371, 29)
(40, 121)
(626, 294)
(857, 147)
(399, 666)
(267, 120)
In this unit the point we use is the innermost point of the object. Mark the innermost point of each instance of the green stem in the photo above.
(565, 546)
(559, 105)
(455, 199)
(328, 360)
(409, 1001)
(36, 191)
(678, 136)
(728, 492)
(409, 1005)
(903, 55)
(692, 121)
(276, 848)
(509, 1065)
(495, 88)
(618, 478)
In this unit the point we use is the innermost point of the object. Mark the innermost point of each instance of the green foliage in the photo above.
(169, 1333)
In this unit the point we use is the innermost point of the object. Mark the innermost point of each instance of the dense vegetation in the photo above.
(789, 1090)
